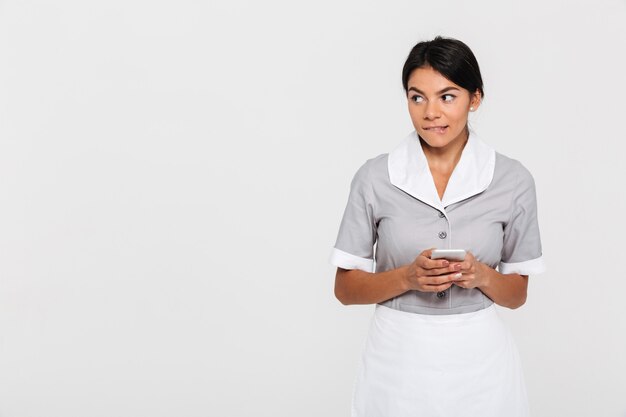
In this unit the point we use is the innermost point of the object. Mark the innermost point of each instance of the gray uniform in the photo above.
(394, 213)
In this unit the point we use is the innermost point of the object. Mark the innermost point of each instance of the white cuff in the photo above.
(532, 267)
(346, 260)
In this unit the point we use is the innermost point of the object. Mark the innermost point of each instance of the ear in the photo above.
(475, 100)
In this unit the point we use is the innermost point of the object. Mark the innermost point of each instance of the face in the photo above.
(439, 108)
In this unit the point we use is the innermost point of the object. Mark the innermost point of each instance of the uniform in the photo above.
(393, 214)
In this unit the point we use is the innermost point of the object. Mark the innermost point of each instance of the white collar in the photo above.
(409, 171)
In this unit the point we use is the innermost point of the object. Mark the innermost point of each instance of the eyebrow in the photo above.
(438, 92)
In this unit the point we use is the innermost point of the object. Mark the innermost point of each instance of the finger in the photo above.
(461, 283)
(424, 261)
(467, 281)
(438, 288)
(458, 276)
(465, 265)
(468, 277)
(428, 263)
(452, 268)
(442, 279)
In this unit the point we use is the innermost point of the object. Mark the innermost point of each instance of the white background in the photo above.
(173, 174)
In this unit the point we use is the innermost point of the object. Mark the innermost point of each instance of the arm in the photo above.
(507, 290)
(353, 286)
(423, 274)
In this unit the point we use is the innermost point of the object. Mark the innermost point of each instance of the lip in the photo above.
(436, 129)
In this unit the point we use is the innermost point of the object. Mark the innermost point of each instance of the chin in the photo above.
(438, 141)
(435, 142)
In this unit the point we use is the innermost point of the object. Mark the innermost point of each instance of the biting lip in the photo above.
(439, 129)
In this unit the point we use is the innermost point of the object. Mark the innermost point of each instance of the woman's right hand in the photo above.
(430, 275)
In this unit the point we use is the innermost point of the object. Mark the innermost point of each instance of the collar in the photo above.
(409, 171)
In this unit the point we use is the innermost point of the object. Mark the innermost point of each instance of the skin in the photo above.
(439, 110)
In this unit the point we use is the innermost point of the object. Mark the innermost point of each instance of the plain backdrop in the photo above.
(173, 175)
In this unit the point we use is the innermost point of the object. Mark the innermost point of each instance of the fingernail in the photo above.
(457, 276)
(457, 266)
(446, 263)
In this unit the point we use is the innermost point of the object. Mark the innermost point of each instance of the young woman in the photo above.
(436, 346)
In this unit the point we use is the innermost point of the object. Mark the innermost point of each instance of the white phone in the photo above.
(449, 254)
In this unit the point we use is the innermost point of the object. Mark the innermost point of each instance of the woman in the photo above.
(436, 346)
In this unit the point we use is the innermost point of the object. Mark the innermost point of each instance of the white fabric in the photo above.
(460, 365)
(346, 260)
(409, 171)
(532, 267)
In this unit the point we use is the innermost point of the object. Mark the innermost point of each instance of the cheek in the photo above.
(459, 113)
(457, 118)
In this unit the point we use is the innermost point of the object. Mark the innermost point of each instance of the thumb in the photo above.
(428, 252)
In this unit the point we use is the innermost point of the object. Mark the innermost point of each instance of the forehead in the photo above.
(428, 79)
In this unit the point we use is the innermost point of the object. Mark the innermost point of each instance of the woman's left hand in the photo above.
(475, 273)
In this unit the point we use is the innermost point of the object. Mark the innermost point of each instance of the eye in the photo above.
(417, 99)
(448, 97)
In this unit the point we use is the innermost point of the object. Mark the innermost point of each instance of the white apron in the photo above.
(459, 365)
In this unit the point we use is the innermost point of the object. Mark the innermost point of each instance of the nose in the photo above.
(431, 111)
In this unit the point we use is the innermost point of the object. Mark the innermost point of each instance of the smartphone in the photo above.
(449, 254)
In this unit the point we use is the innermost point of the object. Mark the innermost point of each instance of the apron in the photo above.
(458, 365)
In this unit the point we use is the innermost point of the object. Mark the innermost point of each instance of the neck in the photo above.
(444, 159)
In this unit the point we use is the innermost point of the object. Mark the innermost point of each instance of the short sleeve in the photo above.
(521, 252)
(354, 248)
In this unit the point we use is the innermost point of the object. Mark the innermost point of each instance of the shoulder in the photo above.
(374, 169)
(512, 171)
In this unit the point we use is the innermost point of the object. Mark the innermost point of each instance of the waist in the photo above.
(455, 300)
(411, 318)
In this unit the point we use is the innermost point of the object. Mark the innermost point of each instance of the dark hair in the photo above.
(451, 58)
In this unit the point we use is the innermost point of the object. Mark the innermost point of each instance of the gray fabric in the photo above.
(496, 225)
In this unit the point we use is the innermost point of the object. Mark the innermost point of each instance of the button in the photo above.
(441, 215)
(442, 235)
(441, 294)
